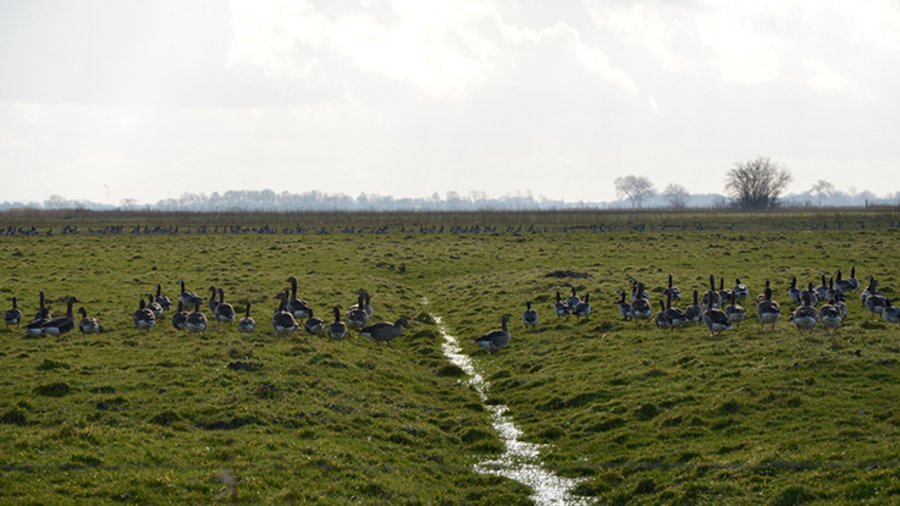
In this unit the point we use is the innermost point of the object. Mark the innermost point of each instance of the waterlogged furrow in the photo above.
(520, 460)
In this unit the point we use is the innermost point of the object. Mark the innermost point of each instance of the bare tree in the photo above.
(635, 188)
(822, 189)
(677, 195)
(756, 184)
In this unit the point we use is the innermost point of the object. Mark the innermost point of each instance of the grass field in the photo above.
(640, 415)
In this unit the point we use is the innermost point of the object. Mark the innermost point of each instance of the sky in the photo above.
(108, 100)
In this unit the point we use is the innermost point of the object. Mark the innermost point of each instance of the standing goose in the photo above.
(179, 319)
(712, 297)
(384, 331)
(638, 291)
(822, 290)
(794, 292)
(298, 308)
(196, 321)
(573, 300)
(313, 325)
(161, 299)
(875, 302)
(735, 311)
(42, 313)
(740, 291)
(338, 329)
(88, 325)
(662, 320)
(890, 313)
(813, 298)
(154, 306)
(186, 298)
(357, 316)
(14, 315)
(224, 311)
(283, 321)
(674, 315)
(212, 302)
(870, 289)
(561, 308)
(830, 315)
(714, 318)
(804, 317)
(36, 327)
(246, 324)
(583, 308)
(693, 313)
(530, 316)
(767, 309)
(724, 293)
(640, 307)
(854, 283)
(63, 324)
(143, 318)
(672, 290)
(496, 339)
(624, 307)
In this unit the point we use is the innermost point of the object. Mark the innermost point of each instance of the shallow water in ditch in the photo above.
(520, 460)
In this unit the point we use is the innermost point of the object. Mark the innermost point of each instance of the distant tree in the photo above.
(756, 184)
(822, 189)
(634, 188)
(676, 195)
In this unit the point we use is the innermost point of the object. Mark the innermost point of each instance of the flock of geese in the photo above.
(290, 314)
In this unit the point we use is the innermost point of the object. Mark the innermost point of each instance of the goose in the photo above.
(367, 306)
(573, 300)
(212, 302)
(672, 290)
(740, 291)
(63, 324)
(638, 291)
(14, 315)
(357, 316)
(640, 309)
(842, 309)
(154, 306)
(674, 315)
(179, 319)
(161, 299)
(583, 308)
(844, 284)
(794, 292)
(724, 293)
(624, 307)
(854, 283)
(712, 298)
(813, 298)
(338, 329)
(875, 302)
(835, 293)
(714, 318)
(693, 313)
(42, 313)
(187, 298)
(868, 291)
(496, 339)
(88, 325)
(530, 316)
(822, 290)
(561, 308)
(804, 317)
(196, 321)
(735, 311)
(224, 311)
(767, 309)
(246, 324)
(890, 313)
(299, 308)
(830, 315)
(143, 317)
(314, 326)
(282, 321)
(364, 302)
(662, 320)
(384, 331)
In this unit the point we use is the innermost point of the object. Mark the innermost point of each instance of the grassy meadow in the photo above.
(639, 414)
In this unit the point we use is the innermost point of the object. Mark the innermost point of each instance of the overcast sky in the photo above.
(412, 97)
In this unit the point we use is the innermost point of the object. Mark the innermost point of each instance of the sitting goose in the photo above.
(496, 339)
(357, 315)
(844, 284)
(179, 319)
(561, 308)
(384, 331)
(14, 315)
(63, 324)
(767, 309)
(624, 307)
(187, 298)
(693, 313)
(830, 315)
(735, 311)
(298, 308)
(196, 321)
(224, 311)
(583, 308)
(804, 317)
(283, 321)
(794, 292)
(714, 318)
(740, 291)
(890, 313)
(88, 324)
(530, 316)
(143, 318)
(161, 299)
(314, 326)
(338, 329)
(247, 324)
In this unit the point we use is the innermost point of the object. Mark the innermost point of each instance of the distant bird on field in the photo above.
(161, 299)
(740, 291)
(144, 318)
(623, 307)
(714, 318)
(830, 315)
(88, 324)
(43, 313)
(693, 313)
(338, 329)
(179, 319)
(561, 308)
(283, 321)
(767, 309)
(496, 339)
(794, 292)
(224, 311)
(530, 316)
(63, 324)
(212, 302)
(890, 313)
(187, 298)
(196, 321)
(313, 325)
(384, 332)
(14, 315)
(298, 308)
(583, 308)
(357, 315)
(573, 300)
(805, 317)
(712, 298)
(672, 290)
(247, 324)
(154, 306)
(735, 311)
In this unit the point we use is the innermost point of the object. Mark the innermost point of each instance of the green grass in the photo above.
(642, 415)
